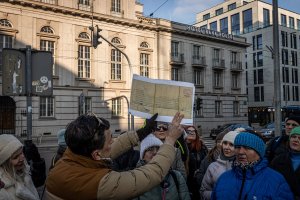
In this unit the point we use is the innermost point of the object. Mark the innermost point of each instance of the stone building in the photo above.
(85, 78)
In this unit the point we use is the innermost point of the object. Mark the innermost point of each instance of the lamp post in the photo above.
(130, 121)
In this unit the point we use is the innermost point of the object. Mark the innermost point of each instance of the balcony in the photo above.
(236, 66)
(177, 59)
(198, 61)
(218, 64)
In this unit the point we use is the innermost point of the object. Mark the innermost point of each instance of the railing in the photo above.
(218, 63)
(197, 60)
(177, 58)
(236, 65)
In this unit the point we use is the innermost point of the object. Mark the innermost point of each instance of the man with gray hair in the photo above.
(250, 176)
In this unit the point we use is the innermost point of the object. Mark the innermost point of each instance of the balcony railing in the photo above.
(218, 63)
(236, 66)
(177, 58)
(199, 61)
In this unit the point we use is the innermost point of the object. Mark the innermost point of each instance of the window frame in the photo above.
(47, 103)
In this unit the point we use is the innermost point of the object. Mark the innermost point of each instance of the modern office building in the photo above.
(84, 77)
(252, 19)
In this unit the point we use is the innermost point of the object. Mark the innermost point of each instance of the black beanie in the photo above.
(294, 118)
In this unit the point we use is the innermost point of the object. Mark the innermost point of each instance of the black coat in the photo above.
(283, 164)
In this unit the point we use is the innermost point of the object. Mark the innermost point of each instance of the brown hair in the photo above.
(196, 144)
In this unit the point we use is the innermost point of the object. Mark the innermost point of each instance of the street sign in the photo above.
(42, 64)
(14, 80)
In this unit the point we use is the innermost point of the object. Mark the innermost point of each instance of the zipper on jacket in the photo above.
(243, 183)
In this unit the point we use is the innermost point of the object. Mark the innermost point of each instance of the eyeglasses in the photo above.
(152, 149)
(291, 124)
(191, 132)
(295, 137)
(163, 127)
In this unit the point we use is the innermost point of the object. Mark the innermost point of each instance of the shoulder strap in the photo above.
(173, 174)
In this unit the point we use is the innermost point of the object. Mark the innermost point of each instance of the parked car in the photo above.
(232, 127)
(268, 131)
(215, 131)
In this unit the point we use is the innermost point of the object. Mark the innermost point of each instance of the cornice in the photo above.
(141, 22)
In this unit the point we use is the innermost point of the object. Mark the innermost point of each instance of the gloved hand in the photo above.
(149, 127)
(31, 151)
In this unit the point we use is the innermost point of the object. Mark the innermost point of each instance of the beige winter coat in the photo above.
(20, 189)
(77, 177)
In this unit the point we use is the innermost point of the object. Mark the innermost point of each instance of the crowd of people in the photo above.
(167, 161)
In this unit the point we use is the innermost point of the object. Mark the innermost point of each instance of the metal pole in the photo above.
(277, 82)
(131, 73)
(28, 92)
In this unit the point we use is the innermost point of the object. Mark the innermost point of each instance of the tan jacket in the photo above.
(77, 177)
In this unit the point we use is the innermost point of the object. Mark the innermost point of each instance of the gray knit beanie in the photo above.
(9, 144)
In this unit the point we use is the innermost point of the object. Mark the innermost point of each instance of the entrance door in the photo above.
(7, 115)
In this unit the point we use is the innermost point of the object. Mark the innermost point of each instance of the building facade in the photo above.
(89, 80)
(252, 19)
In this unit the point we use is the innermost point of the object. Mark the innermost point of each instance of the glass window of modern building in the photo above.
(283, 20)
(231, 6)
(206, 16)
(266, 17)
(235, 24)
(292, 22)
(213, 26)
(259, 41)
(224, 25)
(247, 21)
(298, 24)
(293, 38)
(219, 11)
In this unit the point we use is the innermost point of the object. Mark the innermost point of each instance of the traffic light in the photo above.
(96, 36)
(198, 104)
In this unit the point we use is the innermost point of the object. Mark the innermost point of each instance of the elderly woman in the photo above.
(15, 180)
(288, 164)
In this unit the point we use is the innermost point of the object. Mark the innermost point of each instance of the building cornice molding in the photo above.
(157, 25)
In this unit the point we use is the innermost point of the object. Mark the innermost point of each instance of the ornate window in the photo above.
(6, 40)
(84, 57)
(116, 6)
(46, 44)
(116, 61)
(5, 22)
(144, 64)
(144, 45)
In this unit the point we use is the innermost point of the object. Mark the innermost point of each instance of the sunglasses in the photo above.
(161, 127)
(291, 124)
(191, 132)
(101, 121)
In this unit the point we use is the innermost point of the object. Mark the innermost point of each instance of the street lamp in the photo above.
(130, 118)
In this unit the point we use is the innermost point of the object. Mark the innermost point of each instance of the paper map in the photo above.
(165, 97)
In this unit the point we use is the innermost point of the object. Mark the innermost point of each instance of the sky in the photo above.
(185, 11)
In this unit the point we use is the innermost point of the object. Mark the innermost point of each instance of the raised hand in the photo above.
(148, 127)
(175, 129)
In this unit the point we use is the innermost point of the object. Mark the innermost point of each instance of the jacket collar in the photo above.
(69, 156)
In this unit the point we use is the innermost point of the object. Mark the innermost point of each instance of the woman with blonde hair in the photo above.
(15, 179)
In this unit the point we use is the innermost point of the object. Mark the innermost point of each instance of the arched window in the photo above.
(116, 40)
(144, 45)
(47, 29)
(5, 22)
(84, 35)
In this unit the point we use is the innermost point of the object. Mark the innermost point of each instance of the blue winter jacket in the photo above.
(258, 182)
